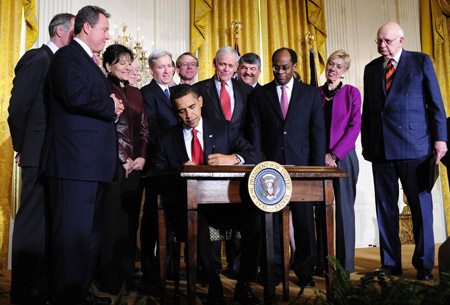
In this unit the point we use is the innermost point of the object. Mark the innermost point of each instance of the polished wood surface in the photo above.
(225, 184)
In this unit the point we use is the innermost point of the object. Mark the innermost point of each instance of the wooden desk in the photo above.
(222, 185)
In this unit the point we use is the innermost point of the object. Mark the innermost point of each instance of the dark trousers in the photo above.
(76, 229)
(29, 268)
(116, 261)
(411, 174)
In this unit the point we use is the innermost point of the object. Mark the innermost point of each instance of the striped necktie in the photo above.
(390, 69)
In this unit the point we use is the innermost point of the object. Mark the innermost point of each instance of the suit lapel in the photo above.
(91, 62)
(160, 92)
(273, 97)
(400, 75)
(238, 102)
(211, 91)
(208, 139)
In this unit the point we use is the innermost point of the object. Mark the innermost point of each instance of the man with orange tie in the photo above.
(223, 96)
(199, 140)
(403, 123)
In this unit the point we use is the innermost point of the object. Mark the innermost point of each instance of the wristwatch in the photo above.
(334, 157)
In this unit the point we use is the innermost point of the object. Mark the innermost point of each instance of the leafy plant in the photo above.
(379, 290)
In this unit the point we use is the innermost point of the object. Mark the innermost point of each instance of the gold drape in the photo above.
(219, 32)
(435, 27)
(10, 33)
(284, 23)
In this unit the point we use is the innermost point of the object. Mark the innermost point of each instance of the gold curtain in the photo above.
(435, 33)
(284, 23)
(10, 32)
(218, 32)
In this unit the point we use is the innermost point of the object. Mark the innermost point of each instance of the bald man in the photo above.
(403, 123)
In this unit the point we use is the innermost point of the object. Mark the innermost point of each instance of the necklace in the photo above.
(331, 93)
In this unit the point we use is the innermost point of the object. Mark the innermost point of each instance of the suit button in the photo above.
(282, 148)
(284, 132)
(399, 127)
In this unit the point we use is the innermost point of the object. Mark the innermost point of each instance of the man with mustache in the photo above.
(249, 69)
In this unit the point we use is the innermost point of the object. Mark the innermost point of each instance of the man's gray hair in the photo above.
(251, 58)
(64, 20)
(157, 54)
(224, 51)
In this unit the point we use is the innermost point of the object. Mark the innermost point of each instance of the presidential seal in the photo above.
(270, 186)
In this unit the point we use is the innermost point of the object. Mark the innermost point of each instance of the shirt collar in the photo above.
(53, 47)
(163, 87)
(229, 82)
(84, 46)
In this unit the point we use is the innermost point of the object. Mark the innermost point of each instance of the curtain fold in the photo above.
(284, 23)
(10, 33)
(434, 28)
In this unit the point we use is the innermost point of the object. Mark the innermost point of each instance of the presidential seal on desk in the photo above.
(270, 186)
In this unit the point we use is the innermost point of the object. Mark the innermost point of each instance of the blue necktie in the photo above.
(167, 93)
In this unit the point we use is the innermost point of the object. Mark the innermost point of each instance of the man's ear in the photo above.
(200, 101)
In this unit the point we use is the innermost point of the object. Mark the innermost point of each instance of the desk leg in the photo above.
(162, 237)
(191, 244)
(329, 196)
(285, 235)
(269, 288)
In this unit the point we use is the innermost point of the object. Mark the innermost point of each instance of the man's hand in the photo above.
(441, 148)
(128, 167)
(118, 103)
(17, 158)
(138, 164)
(190, 163)
(329, 161)
(220, 159)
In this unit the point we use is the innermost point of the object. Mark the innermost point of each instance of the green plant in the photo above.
(379, 290)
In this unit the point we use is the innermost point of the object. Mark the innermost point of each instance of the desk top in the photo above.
(236, 171)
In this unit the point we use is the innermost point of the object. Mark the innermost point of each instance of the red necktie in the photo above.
(196, 148)
(390, 69)
(225, 101)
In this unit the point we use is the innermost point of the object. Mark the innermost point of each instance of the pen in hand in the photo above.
(213, 149)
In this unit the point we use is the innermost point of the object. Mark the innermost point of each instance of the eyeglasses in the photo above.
(379, 41)
(285, 68)
(185, 64)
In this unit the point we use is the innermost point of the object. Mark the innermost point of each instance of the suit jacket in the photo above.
(132, 128)
(26, 107)
(158, 109)
(80, 142)
(298, 140)
(345, 119)
(171, 152)
(404, 123)
(212, 108)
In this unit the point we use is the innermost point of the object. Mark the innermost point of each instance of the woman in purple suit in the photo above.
(342, 112)
(123, 197)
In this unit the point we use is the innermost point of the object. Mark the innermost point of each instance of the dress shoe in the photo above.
(424, 274)
(243, 293)
(215, 293)
(386, 270)
(306, 280)
(276, 279)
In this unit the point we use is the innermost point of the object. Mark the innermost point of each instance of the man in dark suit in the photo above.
(403, 123)
(199, 140)
(160, 116)
(249, 69)
(27, 123)
(223, 96)
(79, 155)
(286, 122)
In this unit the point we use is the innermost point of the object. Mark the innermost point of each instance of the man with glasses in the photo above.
(187, 68)
(286, 123)
(403, 124)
